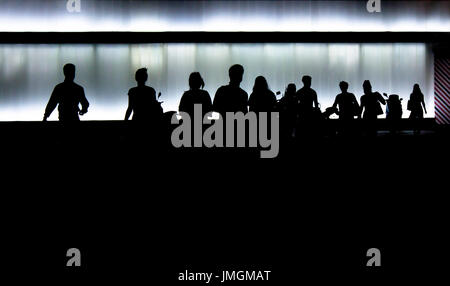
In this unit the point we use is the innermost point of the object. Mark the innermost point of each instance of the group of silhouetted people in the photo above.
(295, 106)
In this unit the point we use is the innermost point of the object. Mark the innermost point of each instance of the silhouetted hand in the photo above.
(82, 112)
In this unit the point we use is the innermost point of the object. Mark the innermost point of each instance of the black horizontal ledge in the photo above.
(221, 37)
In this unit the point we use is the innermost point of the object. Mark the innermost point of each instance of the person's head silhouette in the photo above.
(307, 81)
(196, 81)
(141, 76)
(69, 72)
(291, 89)
(236, 72)
(260, 84)
(367, 86)
(416, 89)
(343, 86)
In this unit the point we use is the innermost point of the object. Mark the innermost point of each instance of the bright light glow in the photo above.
(28, 73)
(282, 15)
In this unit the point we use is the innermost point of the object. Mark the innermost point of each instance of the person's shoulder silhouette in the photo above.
(232, 98)
(68, 96)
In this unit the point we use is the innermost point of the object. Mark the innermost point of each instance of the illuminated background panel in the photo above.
(29, 72)
(213, 15)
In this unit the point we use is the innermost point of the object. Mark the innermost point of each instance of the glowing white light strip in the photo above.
(231, 16)
(220, 24)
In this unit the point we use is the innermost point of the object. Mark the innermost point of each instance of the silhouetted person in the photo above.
(68, 96)
(289, 106)
(196, 95)
(262, 98)
(370, 102)
(289, 103)
(416, 105)
(232, 98)
(308, 99)
(394, 111)
(346, 103)
(142, 100)
(370, 107)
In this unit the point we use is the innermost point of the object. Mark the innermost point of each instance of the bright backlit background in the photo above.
(29, 72)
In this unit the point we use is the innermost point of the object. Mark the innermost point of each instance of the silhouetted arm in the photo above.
(182, 106)
(274, 102)
(355, 102)
(335, 102)
(245, 103)
(130, 108)
(84, 103)
(52, 103)
(423, 104)
(217, 102)
(251, 103)
(381, 98)
(208, 103)
(361, 107)
(316, 102)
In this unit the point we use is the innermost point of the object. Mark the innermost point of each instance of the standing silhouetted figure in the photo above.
(68, 96)
(262, 98)
(232, 98)
(370, 102)
(394, 111)
(416, 105)
(370, 107)
(308, 99)
(289, 106)
(289, 103)
(195, 95)
(142, 100)
(346, 103)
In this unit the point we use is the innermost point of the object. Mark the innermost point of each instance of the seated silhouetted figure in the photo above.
(142, 101)
(232, 98)
(346, 103)
(308, 99)
(370, 102)
(195, 95)
(262, 98)
(67, 96)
